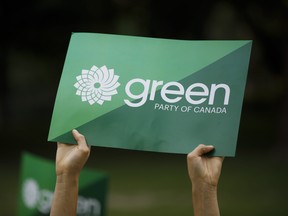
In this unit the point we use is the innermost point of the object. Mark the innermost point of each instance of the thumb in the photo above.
(203, 149)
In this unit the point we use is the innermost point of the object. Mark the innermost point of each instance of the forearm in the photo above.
(204, 200)
(65, 196)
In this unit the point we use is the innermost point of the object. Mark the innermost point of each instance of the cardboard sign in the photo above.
(151, 94)
(37, 184)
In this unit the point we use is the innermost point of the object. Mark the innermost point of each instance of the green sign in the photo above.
(151, 94)
(37, 184)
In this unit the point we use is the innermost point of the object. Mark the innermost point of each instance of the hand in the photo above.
(71, 158)
(204, 169)
(204, 173)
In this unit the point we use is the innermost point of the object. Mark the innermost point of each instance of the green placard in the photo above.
(37, 184)
(152, 94)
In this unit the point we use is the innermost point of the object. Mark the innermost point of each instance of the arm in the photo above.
(204, 173)
(70, 159)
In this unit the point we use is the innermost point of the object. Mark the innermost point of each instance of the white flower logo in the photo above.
(30, 192)
(97, 85)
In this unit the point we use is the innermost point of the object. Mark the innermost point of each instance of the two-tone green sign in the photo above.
(37, 184)
(151, 94)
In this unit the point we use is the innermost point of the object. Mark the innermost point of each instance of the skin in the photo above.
(70, 160)
(204, 173)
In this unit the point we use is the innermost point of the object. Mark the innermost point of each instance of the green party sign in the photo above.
(152, 94)
(37, 184)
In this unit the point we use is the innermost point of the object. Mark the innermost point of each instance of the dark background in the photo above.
(33, 45)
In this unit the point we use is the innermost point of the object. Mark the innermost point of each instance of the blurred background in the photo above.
(34, 40)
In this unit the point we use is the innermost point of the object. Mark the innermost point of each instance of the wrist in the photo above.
(67, 178)
(65, 195)
(203, 187)
(204, 198)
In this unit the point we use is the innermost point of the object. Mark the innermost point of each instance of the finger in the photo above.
(80, 139)
(202, 149)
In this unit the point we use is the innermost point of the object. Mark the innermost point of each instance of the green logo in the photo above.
(174, 94)
(37, 188)
(97, 85)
